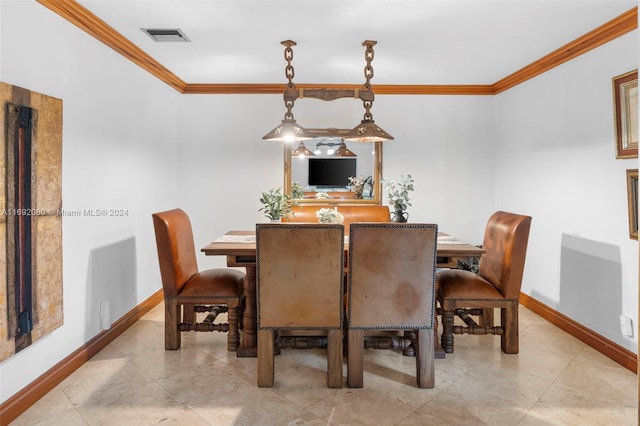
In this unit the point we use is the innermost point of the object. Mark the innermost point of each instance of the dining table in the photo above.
(239, 247)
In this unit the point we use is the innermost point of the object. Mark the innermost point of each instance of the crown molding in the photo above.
(613, 29)
(81, 17)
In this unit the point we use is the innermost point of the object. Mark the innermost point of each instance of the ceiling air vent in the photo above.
(163, 34)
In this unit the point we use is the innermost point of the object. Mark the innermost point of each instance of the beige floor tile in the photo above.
(247, 405)
(150, 404)
(554, 380)
(474, 348)
(421, 418)
(361, 407)
(160, 364)
(60, 419)
(525, 317)
(546, 337)
(463, 405)
(200, 386)
(54, 408)
(520, 388)
(300, 376)
(155, 315)
(529, 360)
(99, 377)
(613, 386)
(563, 405)
(588, 355)
(394, 375)
(304, 417)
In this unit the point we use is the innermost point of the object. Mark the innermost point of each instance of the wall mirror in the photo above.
(323, 176)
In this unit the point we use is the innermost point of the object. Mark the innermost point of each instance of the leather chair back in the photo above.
(300, 287)
(391, 276)
(176, 250)
(505, 243)
(299, 270)
(391, 287)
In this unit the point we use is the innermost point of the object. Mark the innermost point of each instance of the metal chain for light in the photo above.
(289, 73)
(368, 75)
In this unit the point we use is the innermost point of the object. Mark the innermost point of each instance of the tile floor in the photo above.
(555, 380)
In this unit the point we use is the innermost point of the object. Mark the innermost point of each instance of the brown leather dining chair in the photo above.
(299, 287)
(391, 286)
(496, 284)
(188, 291)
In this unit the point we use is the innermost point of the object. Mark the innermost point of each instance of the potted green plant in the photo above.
(326, 215)
(398, 197)
(276, 204)
(357, 185)
(296, 190)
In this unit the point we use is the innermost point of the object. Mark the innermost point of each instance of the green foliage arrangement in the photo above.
(276, 204)
(398, 192)
(357, 184)
(296, 190)
(329, 216)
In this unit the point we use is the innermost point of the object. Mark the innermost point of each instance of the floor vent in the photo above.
(166, 35)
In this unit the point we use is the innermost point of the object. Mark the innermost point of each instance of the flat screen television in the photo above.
(331, 171)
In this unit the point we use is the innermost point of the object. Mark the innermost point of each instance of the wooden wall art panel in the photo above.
(30, 219)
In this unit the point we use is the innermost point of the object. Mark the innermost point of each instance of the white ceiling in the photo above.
(419, 42)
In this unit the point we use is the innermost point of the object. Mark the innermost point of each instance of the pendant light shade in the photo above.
(343, 151)
(287, 131)
(302, 151)
(368, 131)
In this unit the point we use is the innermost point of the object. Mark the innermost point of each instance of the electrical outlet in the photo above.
(626, 325)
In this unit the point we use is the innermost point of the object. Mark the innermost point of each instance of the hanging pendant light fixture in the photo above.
(366, 131)
(288, 130)
(343, 151)
(301, 151)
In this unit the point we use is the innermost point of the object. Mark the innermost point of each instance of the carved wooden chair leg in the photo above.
(355, 359)
(233, 336)
(487, 318)
(447, 331)
(509, 338)
(334, 358)
(188, 314)
(437, 340)
(171, 320)
(425, 358)
(241, 308)
(265, 358)
(409, 336)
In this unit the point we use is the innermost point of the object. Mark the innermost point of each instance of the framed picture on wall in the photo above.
(625, 111)
(632, 196)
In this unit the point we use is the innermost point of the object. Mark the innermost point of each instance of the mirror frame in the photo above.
(377, 176)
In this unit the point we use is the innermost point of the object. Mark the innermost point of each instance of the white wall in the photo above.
(446, 144)
(555, 160)
(119, 132)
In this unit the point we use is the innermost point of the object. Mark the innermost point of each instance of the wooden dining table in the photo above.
(240, 249)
